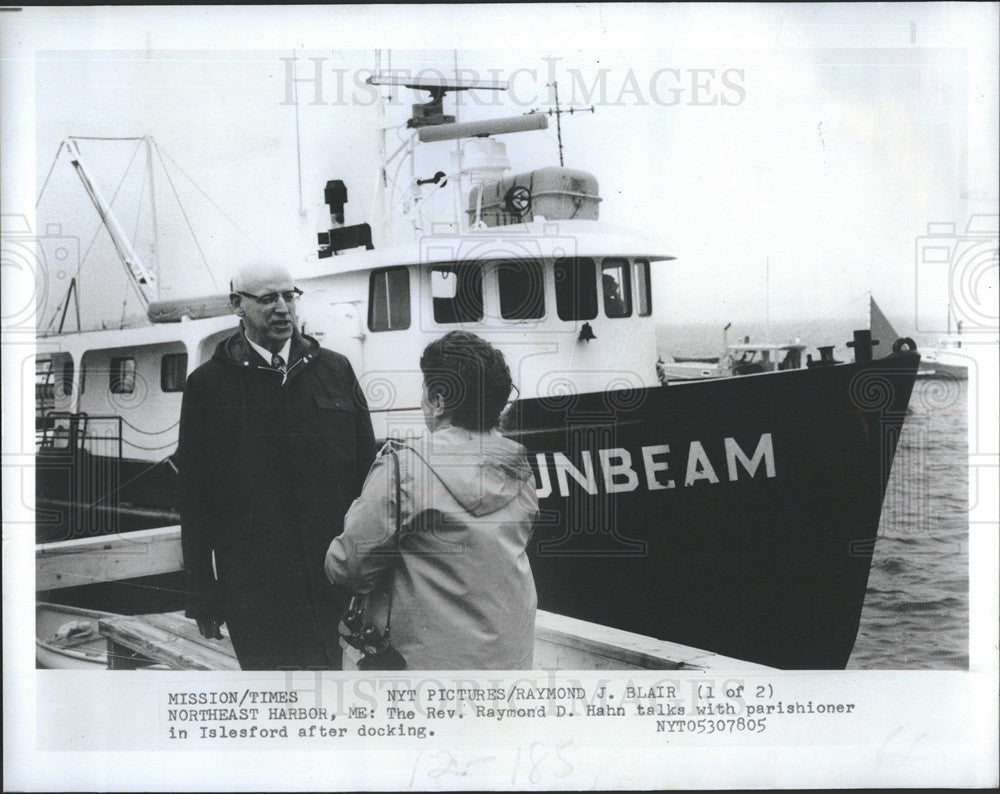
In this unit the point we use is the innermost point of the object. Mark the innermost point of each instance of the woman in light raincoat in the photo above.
(453, 582)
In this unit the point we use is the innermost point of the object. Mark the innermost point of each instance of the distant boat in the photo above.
(751, 358)
(670, 368)
(944, 362)
(741, 358)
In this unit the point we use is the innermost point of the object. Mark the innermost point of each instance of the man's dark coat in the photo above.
(267, 471)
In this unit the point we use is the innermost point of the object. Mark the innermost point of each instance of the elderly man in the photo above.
(275, 444)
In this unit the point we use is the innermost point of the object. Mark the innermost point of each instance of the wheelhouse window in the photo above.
(173, 372)
(122, 376)
(617, 287)
(521, 289)
(457, 292)
(389, 299)
(576, 288)
(643, 294)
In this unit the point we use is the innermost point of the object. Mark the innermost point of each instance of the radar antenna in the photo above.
(432, 113)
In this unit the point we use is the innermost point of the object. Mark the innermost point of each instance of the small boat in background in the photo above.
(945, 362)
(752, 358)
(67, 638)
(671, 368)
(742, 358)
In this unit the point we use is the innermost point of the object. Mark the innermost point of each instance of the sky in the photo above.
(791, 158)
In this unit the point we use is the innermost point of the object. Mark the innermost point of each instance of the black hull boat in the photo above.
(737, 515)
(766, 562)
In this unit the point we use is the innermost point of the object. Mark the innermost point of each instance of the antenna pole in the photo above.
(555, 87)
(557, 112)
(456, 189)
(380, 220)
(298, 143)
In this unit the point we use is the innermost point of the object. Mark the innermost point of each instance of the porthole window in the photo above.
(122, 376)
(173, 372)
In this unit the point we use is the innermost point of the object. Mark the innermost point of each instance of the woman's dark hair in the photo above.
(472, 377)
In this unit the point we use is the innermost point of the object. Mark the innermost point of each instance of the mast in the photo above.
(456, 158)
(137, 271)
(380, 221)
(298, 142)
(154, 245)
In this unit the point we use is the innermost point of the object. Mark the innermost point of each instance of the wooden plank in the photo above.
(107, 558)
(563, 642)
(140, 635)
(187, 629)
(121, 657)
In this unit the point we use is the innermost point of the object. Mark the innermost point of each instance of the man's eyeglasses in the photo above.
(271, 298)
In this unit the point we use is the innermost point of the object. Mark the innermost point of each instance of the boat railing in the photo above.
(74, 433)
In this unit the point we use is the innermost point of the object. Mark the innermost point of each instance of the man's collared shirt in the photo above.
(268, 356)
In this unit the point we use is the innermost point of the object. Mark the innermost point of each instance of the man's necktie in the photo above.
(278, 362)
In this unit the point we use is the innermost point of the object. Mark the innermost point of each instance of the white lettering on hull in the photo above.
(652, 466)
(699, 466)
(764, 452)
(585, 478)
(623, 468)
(619, 475)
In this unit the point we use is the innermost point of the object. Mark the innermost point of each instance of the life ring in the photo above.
(518, 200)
(902, 342)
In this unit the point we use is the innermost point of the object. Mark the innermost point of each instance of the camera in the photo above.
(356, 631)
